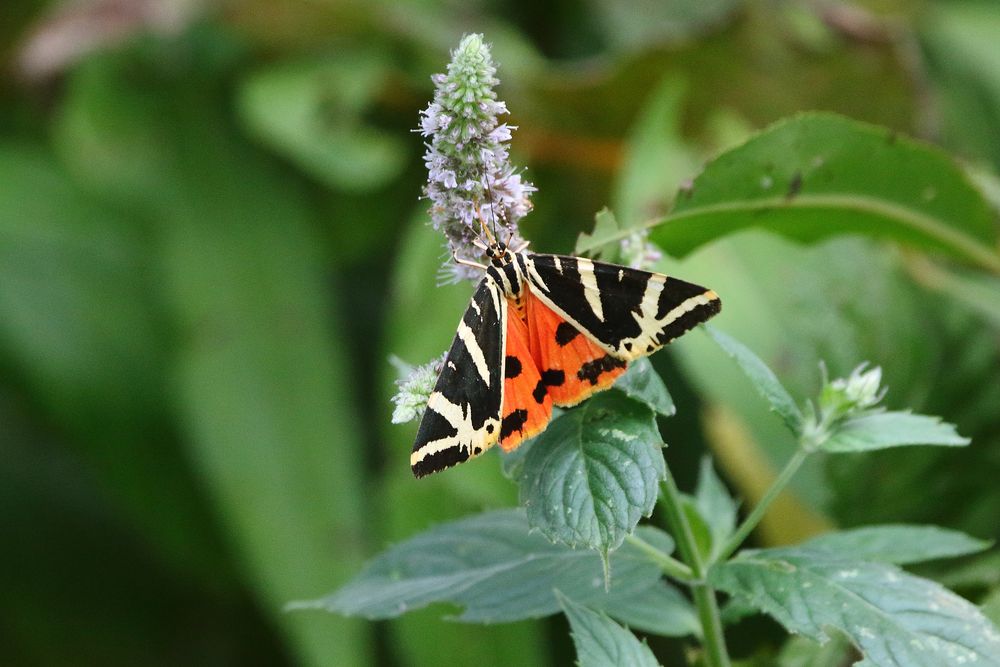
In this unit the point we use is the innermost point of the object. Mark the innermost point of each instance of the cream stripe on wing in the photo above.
(476, 352)
(590, 291)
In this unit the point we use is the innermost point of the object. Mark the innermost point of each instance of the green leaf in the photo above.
(763, 379)
(660, 610)
(804, 652)
(640, 382)
(600, 642)
(816, 175)
(643, 383)
(594, 472)
(495, 568)
(312, 112)
(603, 240)
(894, 618)
(716, 507)
(991, 607)
(898, 544)
(879, 430)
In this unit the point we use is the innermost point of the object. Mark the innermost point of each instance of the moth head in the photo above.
(498, 253)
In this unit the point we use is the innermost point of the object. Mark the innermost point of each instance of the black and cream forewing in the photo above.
(462, 419)
(628, 312)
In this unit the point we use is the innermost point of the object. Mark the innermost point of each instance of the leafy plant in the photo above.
(598, 469)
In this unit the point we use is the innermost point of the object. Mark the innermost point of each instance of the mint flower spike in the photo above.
(468, 164)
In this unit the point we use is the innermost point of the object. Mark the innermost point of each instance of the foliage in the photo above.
(210, 246)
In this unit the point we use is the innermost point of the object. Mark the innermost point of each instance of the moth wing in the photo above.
(572, 365)
(628, 312)
(462, 419)
(527, 405)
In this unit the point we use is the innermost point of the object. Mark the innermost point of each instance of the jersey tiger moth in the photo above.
(544, 330)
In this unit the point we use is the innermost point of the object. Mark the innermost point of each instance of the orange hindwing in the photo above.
(527, 406)
(574, 366)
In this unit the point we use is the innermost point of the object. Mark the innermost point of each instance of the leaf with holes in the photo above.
(818, 174)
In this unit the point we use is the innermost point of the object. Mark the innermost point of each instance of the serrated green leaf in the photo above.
(600, 642)
(880, 430)
(816, 175)
(495, 568)
(763, 379)
(594, 472)
(894, 618)
(643, 383)
(716, 507)
(898, 544)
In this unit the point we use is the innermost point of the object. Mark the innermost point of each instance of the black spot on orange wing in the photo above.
(591, 371)
(549, 378)
(513, 423)
(539, 392)
(565, 333)
(553, 378)
(513, 367)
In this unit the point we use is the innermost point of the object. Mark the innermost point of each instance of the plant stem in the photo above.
(704, 595)
(670, 566)
(784, 477)
(711, 625)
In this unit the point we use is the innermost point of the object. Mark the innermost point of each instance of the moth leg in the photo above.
(466, 262)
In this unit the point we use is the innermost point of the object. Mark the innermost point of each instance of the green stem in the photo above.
(670, 566)
(741, 534)
(711, 625)
(704, 595)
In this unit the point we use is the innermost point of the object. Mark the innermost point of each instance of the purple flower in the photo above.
(469, 175)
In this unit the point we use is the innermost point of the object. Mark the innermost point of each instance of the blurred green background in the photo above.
(211, 244)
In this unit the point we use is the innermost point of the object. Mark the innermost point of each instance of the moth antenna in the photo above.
(489, 198)
(486, 230)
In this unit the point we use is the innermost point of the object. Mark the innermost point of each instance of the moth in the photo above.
(542, 331)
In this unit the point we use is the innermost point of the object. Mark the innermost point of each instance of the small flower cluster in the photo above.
(467, 158)
(842, 398)
(638, 252)
(413, 388)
